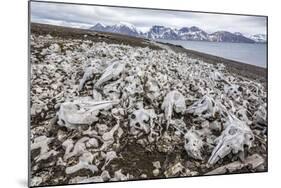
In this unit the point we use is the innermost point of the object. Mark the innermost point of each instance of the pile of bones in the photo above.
(91, 99)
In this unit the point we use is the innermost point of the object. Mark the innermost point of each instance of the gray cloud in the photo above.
(84, 16)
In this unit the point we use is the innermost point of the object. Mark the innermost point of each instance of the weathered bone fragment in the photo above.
(205, 107)
(156, 164)
(152, 88)
(174, 101)
(108, 137)
(174, 170)
(85, 162)
(109, 157)
(193, 144)
(216, 76)
(260, 115)
(233, 139)
(92, 142)
(89, 71)
(78, 149)
(141, 120)
(113, 89)
(82, 111)
(233, 91)
(119, 176)
(254, 161)
(102, 178)
(88, 75)
(111, 72)
(36, 181)
(242, 115)
(43, 142)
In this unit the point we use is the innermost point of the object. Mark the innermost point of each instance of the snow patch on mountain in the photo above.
(259, 38)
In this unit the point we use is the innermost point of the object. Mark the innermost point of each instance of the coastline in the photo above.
(246, 70)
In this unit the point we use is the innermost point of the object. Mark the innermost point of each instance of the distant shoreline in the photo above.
(235, 67)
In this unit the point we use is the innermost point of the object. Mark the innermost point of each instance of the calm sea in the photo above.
(254, 54)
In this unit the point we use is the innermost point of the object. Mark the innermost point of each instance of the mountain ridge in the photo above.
(192, 33)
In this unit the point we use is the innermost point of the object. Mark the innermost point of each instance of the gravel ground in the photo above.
(60, 57)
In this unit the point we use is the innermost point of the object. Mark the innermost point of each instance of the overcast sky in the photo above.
(85, 16)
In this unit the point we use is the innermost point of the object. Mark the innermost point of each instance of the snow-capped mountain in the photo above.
(192, 33)
(122, 27)
(258, 38)
(161, 32)
(184, 33)
(225, 36)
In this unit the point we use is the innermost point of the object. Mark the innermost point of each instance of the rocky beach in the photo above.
(109, 107)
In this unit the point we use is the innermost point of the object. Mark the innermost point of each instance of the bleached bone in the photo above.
(216, 76)
(254, 161)
(113, 89)
(55, 48)
(45, 156)
(36, 181)
(103, 177)
(88, 75)
(233, 139)
(242, 115)
(156, 172)
(92, 142)
(80, 179)
(260, 115)
(109, 157)
(152, 88)
(193, 144)
(37, 107)
(67, 145)
(82, 111)
(108, 137)
(205, 107)
(233, 91)
(96, 95)
(85, 162)
(141, 120)
(134, 85)
(111, 72)
(174, 170)
(119, 176)
(101, 128)
(156, 164)
(221, 67)
(174, 101)
(42, 142)
(78, 149)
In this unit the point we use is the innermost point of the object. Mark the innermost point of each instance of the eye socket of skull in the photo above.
(249, 136)
(202, 102)
(240, 89)
(232, 131)
(63, 122)
(77, 106)
(146, 120)
(186, 141)
(133, 116)
(137, 124)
